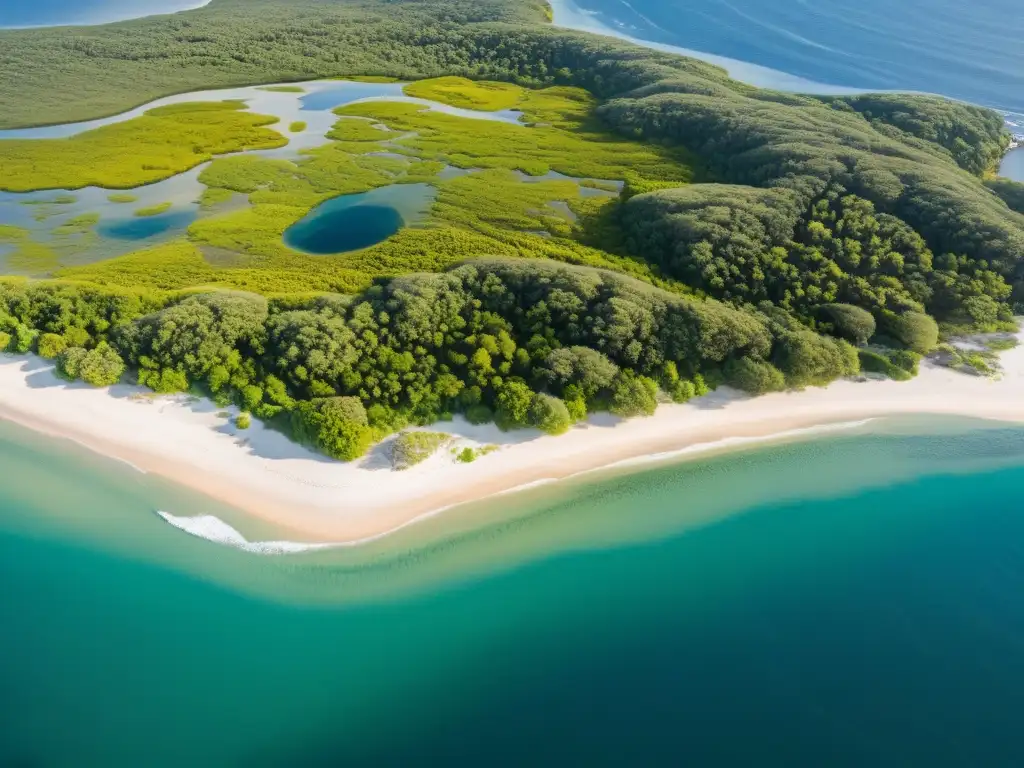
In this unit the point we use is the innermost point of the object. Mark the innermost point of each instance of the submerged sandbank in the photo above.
(313, 499)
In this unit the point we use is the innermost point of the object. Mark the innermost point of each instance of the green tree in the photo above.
(513, 405)
(633, 395)
(337, 426)
(50, 345)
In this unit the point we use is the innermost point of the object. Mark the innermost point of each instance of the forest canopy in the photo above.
(730, 234)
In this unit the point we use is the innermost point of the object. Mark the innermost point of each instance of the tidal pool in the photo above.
(350, 222)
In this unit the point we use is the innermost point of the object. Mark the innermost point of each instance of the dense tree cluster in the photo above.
(525, 342)
(748, 245)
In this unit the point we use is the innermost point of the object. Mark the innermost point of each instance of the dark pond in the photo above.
(350, 222)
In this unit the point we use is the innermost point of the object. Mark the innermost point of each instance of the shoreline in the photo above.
(315, 500)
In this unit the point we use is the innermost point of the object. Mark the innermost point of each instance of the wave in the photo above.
(214, 529)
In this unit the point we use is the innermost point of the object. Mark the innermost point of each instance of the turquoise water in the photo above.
(350, 222)
(853, 600)
(969, 51)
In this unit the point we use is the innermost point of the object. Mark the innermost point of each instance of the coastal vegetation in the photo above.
(647, 230)
(410, 448)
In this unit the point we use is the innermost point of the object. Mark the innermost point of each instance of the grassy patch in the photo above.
(367, 78)
(154, 210)
(159, 144)
(282, 88)
(78, 224)
(297, 126)
(122, 197)
(467, 94)
(411, 448)
(348, 129)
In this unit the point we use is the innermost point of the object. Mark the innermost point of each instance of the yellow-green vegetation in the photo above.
(411, 448)
(565, 137)
(467, 94)
(122, 197)
(28, 255)
(243, 420)
(214, 196)
(348, 129)
(78, 224)
(282, 88)
(497, 211)
(468, 454)
(156, 145)
(154, 210)
(297, 126)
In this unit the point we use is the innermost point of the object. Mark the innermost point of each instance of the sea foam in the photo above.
(214, 529)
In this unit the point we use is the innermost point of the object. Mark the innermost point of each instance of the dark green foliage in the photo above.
(633, 395)
(754, 377)
(897, 367)
(1009, 191)
(848, 322)
(807, 359)
(337, 426)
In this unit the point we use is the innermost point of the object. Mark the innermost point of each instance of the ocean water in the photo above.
(968, 51)
(851, 600)
(49, 13)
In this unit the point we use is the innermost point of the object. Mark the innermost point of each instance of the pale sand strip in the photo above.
(262, 472)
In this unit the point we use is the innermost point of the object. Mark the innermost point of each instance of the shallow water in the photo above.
(49, 13)
(969, 51)
(851, 600)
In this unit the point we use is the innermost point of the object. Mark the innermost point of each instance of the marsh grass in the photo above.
(161, 143)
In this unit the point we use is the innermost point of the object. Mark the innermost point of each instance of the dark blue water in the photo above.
(47, 13)
(350, 222)
(972, 51)
(142, 227)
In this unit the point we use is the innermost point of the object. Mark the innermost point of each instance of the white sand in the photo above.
(194, 443)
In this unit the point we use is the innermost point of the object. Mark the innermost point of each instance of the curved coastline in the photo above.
(313, 500)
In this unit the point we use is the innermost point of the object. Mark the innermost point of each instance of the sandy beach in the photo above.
(193, 442)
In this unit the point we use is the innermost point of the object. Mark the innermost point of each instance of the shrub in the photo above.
(50, 345)
(5, 341)
(633, 395)
(852, 323)
(100, 367)
(513, 401)
(69, 363)
(243, 420)
(915, 330)
(466, 456)
(479, 414)
(411, 448)
(549, 414)
(755, 377)
(873, 362)
(337, 426)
